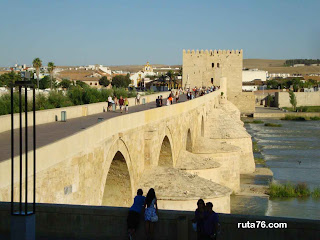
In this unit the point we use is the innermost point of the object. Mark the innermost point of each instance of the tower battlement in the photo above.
(213, 52)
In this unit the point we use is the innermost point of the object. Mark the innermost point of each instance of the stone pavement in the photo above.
(51, 132)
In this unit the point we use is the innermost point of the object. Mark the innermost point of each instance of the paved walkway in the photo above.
(51, 132)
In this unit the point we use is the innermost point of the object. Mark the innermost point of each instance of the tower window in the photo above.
(218, 64)
(213, 65)
(211, 80)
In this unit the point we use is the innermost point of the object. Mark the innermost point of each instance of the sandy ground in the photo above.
(170, 183)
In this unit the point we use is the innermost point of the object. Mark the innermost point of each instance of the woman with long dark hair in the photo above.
(150, 212)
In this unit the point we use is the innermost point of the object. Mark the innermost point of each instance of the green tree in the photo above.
(170, 74)
(121, 81)
(293, 100)
(296, 84)
(65, 83)
(8, 79)
(104, 81)
(272, 84)
(82, 84)
(51, 67)
(44, 82)
(37, 64)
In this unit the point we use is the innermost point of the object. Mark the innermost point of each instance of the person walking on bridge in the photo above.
(138, 99)
(126, 103)
(121, 103)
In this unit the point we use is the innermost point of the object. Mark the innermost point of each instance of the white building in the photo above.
(254, 74)
(138, 76)
(250, 88)
(105, 69)
(299, 65)
(278, 75)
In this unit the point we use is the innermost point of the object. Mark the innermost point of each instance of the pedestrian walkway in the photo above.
(52, 132)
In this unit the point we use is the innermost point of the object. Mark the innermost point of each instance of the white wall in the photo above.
(250, 75)
(303, 99)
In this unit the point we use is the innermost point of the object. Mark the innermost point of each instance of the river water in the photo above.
(292, 152)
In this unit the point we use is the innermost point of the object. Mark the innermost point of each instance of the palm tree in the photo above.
(51, 67)
(37, 64)
(170, 75)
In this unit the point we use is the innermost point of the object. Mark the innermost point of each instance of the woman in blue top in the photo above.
(134, 213)
(150, 212)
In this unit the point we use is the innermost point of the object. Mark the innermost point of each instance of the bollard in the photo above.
(63, 116)
(143, 101)
(113, 107)
(100, 119)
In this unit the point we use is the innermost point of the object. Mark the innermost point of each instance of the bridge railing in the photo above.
(96, 222)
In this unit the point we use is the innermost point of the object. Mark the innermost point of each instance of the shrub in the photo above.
(294, 118)
(104, 94)
(272, 125)
(315, 118)
(281, 190)
(302, 190)
(75, 95)
(91, 95)
(58, 100)
(120, 92)
(41, 102)
(255, 147)
(257, 121)
(290, 190)
(316, 192)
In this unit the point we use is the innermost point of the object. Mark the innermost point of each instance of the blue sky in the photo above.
(78, 32)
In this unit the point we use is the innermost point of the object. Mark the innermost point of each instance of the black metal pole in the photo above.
(20, 145)
(26, 147)
(34, 149)
(12, 153)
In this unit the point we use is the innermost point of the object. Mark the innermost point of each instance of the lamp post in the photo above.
(22, 216)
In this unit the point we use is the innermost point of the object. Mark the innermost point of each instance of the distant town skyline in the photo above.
(132, 32)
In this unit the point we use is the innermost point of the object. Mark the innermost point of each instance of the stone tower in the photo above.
(206, 68)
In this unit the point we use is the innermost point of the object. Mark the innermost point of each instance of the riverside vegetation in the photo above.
(272, 125)
(75, 95)
(277, 190)
(296, 118)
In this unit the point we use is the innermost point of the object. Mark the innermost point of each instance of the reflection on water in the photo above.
(292, 152)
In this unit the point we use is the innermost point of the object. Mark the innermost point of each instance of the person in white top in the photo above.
(138, 99)
(109, 103)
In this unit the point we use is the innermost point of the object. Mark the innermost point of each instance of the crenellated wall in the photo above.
(201, 67)
(207, 68)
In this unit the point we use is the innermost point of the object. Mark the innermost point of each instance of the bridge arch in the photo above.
(117, 181)
(166, 152)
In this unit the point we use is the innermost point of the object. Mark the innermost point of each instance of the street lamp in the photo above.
(23, 220)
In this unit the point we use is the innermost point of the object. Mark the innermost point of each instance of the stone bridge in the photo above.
(186, 151)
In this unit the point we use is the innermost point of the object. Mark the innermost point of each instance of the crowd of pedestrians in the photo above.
(196, 92)
(174, 96)
(205, 222)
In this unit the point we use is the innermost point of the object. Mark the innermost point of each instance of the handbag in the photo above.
(154, 218)
(194, 226)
